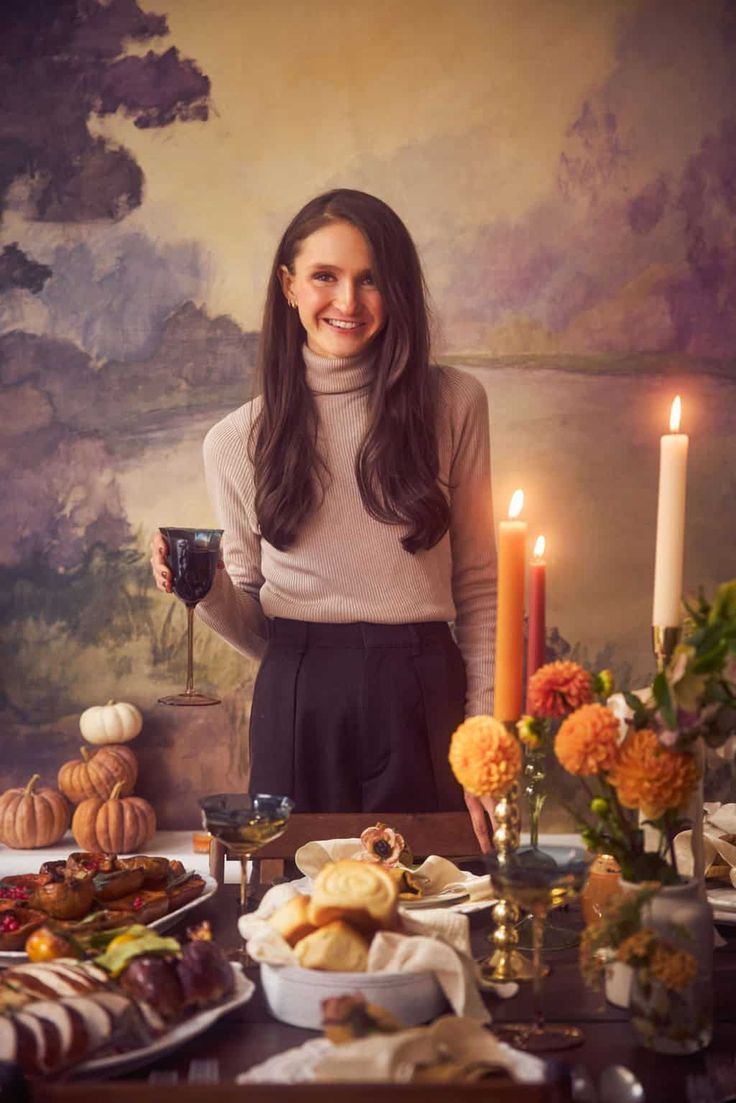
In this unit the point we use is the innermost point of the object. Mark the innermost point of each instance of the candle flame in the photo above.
(539, 547)
(675, 414)
(516, 504)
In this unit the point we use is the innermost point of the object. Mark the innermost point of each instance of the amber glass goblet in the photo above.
(244, 822)
(538, 879)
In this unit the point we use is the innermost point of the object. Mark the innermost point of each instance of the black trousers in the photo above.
(358, 717)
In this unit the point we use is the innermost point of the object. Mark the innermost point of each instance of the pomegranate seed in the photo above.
(15, 892)
(138, 902)
(10, 923)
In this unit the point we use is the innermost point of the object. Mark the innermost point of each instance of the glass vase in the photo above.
(535, 763)
(666, 1019)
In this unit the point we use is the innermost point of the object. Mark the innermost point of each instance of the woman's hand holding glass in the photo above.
(159, 563)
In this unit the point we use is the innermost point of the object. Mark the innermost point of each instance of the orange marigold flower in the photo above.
(485, 758)
(635, 949)
(652, 777)
(675, 969)
(587, 741)
(557, 688)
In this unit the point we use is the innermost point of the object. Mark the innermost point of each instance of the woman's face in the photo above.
(339, 305)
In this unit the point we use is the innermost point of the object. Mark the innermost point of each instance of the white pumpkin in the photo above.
(115, 722)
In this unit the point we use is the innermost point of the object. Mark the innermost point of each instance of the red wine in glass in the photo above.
(193, 557)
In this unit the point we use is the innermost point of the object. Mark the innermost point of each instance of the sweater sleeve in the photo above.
(474, 568)
(233, 608)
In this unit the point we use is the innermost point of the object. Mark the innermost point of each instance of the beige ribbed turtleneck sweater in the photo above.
(346, 566)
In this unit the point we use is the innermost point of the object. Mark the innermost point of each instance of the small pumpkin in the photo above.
(32, 817)
(115, 722)
(95, 773)
(118, 825)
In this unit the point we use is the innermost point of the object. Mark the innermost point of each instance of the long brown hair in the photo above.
(397, 465)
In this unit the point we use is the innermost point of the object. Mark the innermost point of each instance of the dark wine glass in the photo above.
(193, 557)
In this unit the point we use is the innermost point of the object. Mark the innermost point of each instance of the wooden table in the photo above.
(249, 1034)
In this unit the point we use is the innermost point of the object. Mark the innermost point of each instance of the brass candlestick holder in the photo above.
(664, 642)
(506, 963)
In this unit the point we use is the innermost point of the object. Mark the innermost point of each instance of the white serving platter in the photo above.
(183, 1032)
(8, 957)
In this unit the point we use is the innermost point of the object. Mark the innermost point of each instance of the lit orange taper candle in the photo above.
(510, 619)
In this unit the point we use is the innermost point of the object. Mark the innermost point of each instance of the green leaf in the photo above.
(146, 941)
(651, 867)
(181, 878)
(661, 690)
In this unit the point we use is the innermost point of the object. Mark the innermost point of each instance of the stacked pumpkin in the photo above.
(100, 783)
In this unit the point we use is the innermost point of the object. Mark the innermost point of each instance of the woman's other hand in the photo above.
(481, 811)
(159, 564)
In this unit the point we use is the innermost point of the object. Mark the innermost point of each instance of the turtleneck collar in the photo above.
(346, 373)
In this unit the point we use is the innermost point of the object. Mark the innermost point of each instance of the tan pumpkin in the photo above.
(115, 722)
(118, 825)
(95, 773)
(31, 817)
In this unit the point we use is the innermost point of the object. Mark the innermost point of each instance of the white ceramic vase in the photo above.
(618, 983)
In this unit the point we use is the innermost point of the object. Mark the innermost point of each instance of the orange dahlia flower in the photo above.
(587, 741)
(651, 777)
(485, 757)
(558, 688)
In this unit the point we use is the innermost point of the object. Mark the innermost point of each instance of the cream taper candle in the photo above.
(667, 610)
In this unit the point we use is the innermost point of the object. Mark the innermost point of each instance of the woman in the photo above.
(356, 501)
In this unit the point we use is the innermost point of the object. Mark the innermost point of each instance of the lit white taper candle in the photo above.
(667, 610)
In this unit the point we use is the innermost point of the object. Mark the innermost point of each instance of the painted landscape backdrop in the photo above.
(568, 171)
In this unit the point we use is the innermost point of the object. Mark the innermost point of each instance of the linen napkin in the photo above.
(435, 941)
(719, 835)
(438, 876)
(450, 1046)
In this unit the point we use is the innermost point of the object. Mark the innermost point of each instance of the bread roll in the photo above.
(336, 947)
(362, 893)
(291, 919)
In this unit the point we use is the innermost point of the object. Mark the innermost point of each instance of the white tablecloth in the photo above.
(171, 844)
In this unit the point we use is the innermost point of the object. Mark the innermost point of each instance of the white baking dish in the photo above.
(295, 995)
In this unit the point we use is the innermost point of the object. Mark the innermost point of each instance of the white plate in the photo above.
(183, 1032)
(210, 888)
(722, 900)
(435, 899)
(168, 920)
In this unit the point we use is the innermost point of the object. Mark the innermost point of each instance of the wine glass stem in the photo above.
(538, 919)
(245, 858)
(190, 651)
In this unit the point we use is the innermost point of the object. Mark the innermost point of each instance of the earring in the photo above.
(292, 304)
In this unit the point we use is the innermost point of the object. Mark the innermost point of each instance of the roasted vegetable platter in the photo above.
(76, 897)
(142, 996)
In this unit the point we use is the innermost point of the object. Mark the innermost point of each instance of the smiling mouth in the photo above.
(338, 323)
